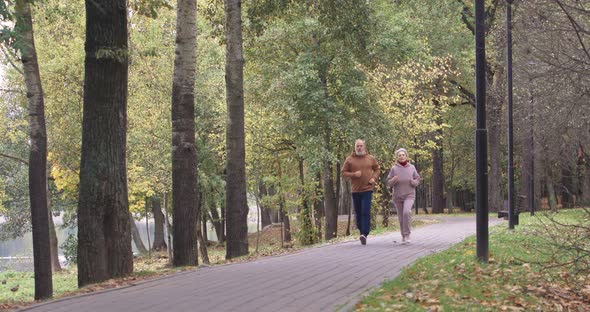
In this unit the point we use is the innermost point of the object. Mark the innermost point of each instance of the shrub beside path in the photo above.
(326, 278)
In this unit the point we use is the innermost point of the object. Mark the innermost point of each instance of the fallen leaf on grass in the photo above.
(586, 292)
(538, 290)
(384, 297)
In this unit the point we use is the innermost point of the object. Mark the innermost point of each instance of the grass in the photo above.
(65, 282)
(524, 273)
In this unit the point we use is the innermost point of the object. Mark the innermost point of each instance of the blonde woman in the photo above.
(404, 179)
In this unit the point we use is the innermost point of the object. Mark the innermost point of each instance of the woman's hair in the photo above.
(401, 150)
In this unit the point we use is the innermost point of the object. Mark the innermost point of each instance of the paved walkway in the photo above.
(327, 278)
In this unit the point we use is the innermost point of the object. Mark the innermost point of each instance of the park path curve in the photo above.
(326, 278)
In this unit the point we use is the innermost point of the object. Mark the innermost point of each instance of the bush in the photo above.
(70, 248)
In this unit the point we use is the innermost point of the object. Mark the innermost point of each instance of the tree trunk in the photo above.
(419, 197)
(449, 201)
(237, 207)
(274, 216)
(265, 212)
(217, 224)
(330, 208)
(285, 220)
(37, 155)
(494, 115)
(204, 225)
(423, 188)
(159, 241)
(283, 206)
(566, 189)
(584, 175)
(136, 237)
(385, 198)
(306, 226)
(223, 223)
(104, 235)
(438, 178)
(55, 265)
(345, 200)
(168, 228)
(201, 229)
(317, 207)
(184, 157)
(528, 154)
(339, 209)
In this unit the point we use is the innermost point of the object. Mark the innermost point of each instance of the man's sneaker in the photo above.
(405, 240)
(408, 239)
(363, 239)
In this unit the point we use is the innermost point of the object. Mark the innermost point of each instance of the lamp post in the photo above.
(532, 147)
(511, 212)
(481, 142)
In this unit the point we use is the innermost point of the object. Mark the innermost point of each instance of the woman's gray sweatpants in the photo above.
(404, 214)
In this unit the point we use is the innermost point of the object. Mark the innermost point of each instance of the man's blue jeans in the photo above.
(362, 209)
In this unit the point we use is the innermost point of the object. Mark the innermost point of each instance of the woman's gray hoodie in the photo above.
(408, 180)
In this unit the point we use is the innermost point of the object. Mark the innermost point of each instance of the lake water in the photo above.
(17, 254)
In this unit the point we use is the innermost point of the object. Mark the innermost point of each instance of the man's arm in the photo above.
(346, 170)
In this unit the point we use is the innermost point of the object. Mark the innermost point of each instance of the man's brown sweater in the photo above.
(369, 168)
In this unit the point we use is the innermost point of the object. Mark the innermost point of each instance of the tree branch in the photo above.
(15, 158)
(576, 27)
(9, 57)
(468, 95)
(465, 15)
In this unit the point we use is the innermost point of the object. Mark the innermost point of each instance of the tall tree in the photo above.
(159, 241)
(104, 236)
(37, 154)
(184, 158)
(438, 178)
(237, 207)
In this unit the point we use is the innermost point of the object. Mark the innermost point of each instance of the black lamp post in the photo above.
(511, 212)
(481, 142)
(532, 142)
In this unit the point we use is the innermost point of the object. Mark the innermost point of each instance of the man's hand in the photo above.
(372, 181)
(356, 174)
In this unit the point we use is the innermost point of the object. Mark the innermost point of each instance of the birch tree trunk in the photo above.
(184, 156)
(37, 154)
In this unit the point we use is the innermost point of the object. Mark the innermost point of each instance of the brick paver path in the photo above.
(326, 278)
